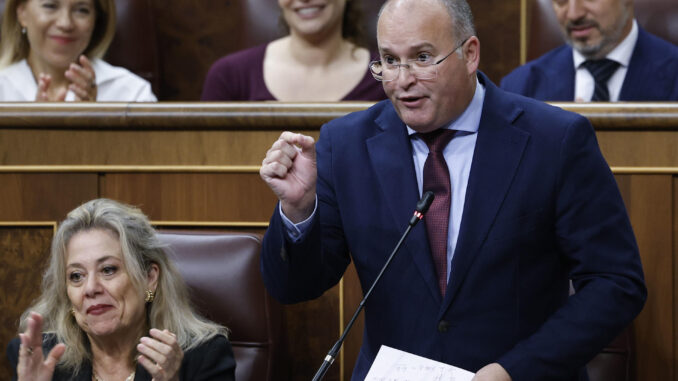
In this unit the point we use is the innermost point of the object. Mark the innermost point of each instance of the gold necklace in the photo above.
(129, 378)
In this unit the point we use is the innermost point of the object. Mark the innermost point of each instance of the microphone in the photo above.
(421, 209)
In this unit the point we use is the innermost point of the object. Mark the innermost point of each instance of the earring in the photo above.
(150, 296)
(72, 311)
(23, 30)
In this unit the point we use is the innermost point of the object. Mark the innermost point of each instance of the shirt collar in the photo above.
(469, 120)
(621, 53)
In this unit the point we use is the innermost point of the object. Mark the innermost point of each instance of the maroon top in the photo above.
(240, 77)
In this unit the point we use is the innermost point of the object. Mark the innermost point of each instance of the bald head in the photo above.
(459, 11)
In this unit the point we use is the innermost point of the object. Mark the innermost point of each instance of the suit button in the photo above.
(443, 326)
(283, 254)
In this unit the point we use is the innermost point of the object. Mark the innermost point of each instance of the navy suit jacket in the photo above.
(541, 207)
(652, 73)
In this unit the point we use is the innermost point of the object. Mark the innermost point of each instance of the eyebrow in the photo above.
(99, 261)
(83, 2)
(418, 47)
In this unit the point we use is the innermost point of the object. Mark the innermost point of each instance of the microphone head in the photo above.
(425, 202)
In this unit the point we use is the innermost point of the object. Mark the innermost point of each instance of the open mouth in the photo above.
(411, 101)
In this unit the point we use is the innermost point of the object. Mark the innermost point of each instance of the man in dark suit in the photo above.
(524, 203)
(613, 58)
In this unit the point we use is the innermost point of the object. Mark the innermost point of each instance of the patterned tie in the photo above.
(437, 180)
(601, 70)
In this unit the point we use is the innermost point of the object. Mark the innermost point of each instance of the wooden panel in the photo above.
(200, 30)
(239, 134)
(137, 147)
(23, 255)
(193, 196)
(353, 294)
(43, 196)
(499, 52)
(639, 148)
(312, 329)
(99, 116)
(205, 226)
(648, 200)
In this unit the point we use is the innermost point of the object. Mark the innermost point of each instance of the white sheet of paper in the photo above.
(395, 365)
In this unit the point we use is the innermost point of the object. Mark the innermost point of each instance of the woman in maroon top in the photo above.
(320, 60)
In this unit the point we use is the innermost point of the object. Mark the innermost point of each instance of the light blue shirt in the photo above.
(458, 155)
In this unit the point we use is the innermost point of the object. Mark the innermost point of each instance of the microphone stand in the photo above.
(422, 207)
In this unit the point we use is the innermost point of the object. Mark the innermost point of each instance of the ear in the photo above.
(472, 54)
(21, 13)
(153, 276)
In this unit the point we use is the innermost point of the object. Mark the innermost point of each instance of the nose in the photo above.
(575, 9)
(64, 19)
(405, 78)
(92, 286)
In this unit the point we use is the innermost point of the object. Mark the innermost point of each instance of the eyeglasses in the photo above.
(421, 67)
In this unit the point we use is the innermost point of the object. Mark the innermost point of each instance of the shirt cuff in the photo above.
(296, 232)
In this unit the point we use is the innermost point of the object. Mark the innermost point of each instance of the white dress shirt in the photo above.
(584, 84)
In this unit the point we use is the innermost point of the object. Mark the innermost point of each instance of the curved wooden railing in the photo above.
(634, 137)
(276, 115)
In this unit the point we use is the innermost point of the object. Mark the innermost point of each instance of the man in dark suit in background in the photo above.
(524, 203)
(613, 58)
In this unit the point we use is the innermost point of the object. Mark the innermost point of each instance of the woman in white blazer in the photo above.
(51, 51)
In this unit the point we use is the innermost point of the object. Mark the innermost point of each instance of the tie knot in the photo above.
(437, 140)
(601, 70)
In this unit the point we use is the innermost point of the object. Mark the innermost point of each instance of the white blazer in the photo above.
(114, 84)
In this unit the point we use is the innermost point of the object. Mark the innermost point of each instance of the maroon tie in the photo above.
(437, 180)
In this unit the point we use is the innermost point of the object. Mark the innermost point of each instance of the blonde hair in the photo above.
(14, 45)
(171, 308)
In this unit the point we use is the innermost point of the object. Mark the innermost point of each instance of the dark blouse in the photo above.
(211, 361)
(240, 77)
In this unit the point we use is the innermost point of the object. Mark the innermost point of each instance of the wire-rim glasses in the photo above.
(424, 70)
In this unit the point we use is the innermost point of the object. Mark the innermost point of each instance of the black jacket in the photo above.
(211, 361)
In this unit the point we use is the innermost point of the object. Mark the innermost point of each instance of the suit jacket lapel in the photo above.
(561, 90)
(645, 64)
(399, 187)
(637, 72)
(499, 149)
